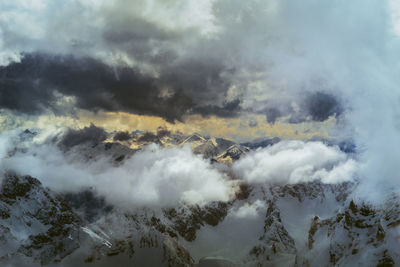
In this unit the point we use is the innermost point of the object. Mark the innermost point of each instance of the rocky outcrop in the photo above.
(35, 222)
(275, 241)
(187, 220)
(356, 234)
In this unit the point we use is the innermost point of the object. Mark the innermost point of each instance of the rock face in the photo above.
(187, 220)
(314, 224)
(115, 151)
(275, 240)
(35, 222)
(216, 149)
(358, 233)
(231, 154)
(304, 224)
(38, 227)
(324, 227)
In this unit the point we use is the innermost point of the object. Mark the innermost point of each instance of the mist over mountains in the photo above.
(185, 200)
(199, 133)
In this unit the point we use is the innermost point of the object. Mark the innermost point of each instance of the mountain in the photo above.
(39, 227)
(234, 152)
(116, 152)
(303, 224)
(35, 223)
(216, 149)
(308, 224)
(261, 142)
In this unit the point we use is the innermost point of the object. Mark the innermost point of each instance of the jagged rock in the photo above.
(86, 203)
(47, 227)
(40, 225)
(187, 220)
(353, 235)
(175, 254)
(386, 261)
(233, 153)
(275, 241)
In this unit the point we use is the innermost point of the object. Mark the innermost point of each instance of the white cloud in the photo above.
(152, 177)
(347, 48)
(79, 27)
(294, 162)
(248, 210)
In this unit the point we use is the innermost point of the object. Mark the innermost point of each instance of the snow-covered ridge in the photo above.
(276, 224)
(39, 227)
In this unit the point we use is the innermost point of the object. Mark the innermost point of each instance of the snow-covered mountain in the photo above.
(302, 224)
(217, 149)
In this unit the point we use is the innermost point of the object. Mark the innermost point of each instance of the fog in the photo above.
(154, 176)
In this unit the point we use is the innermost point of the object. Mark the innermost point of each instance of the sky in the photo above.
(180, 64)
(242, 70)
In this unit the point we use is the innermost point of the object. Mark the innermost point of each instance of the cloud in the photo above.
(229, 109)
(135, 57)
(294, 162)
(248, 210)
(330, 58)
(91, 85)
(122, 136)
(154, 176)
(91, 135)
(162, 132)
(273, 114)
(252, 123)
(148, 137)
(321, 106)
(119, 56)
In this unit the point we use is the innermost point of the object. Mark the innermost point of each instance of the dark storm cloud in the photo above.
(273, 114)
(202, 79)
(122, 136)
(31, 85)
(317, 106)
(320, 106)
(178, 68)
(92, 135)
(162, 132)
(154, 137)
(229, 109)
(20, 88)
(148, 137)
(281, 108)
(36, 83)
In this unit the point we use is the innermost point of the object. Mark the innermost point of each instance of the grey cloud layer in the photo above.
(161, 58)
(156, 176)
(32, 86)
(290, 60)
(152, 177)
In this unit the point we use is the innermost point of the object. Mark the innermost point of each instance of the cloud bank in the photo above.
(175, 58)
(154, 176)
(295, 162)
(291, 61)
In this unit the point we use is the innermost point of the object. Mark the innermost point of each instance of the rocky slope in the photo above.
(323, 227)
(35, 223)
(305, 224)
(216, 149)
(39, 227)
